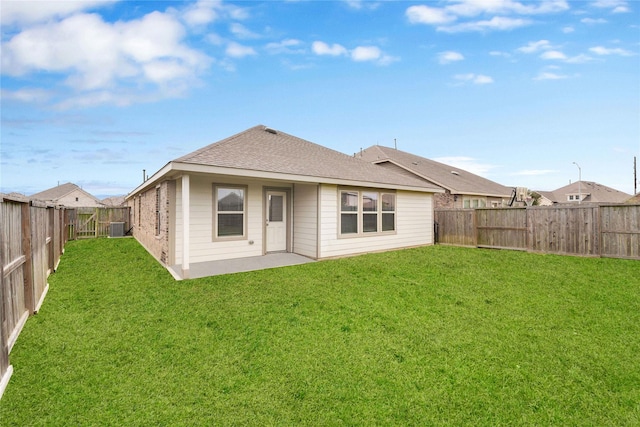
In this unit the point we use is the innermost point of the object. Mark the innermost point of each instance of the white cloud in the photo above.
(98, 56)
(449, 57)
(600, 50)
(533, 47)
(288, 46)
(447, 18)
(553, 55)
(495, 23)
(478, 7)
(478, 79)
(26, 12)
(568, 30)
(468, 164)
(362, 4)
(28, 95)
(200, 13)
(533, 172)
(322, 48)
(592, 21)
(236, 50)
(550, 76)
(242, 32)
(366, 53)
(617, 6)
(428, 15)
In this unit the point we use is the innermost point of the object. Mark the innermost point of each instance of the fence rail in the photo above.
(32, 239)
(611, 231)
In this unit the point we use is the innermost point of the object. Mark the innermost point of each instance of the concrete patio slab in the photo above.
(229, 266)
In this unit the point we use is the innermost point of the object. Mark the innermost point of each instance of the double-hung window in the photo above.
(366, 212)
(230, 206)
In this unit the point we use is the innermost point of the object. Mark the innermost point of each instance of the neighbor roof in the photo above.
(56, 193)
(595, 192)
(269, 153)
(456, 180)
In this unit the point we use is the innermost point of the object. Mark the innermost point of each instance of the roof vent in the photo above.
(455, 172)
(414, 163)
(273, 131)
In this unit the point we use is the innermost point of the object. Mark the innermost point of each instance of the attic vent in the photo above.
(273, 131)
(455, 172)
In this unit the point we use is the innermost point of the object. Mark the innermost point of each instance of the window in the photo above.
(366, 212)
(349, 212)
(230, 207)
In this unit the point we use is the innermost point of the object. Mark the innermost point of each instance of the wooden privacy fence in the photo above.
(95, 222)
(588, 230)
(32, 240)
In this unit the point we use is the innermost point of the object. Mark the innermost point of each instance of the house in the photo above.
(114, 201)
(69, 195)
(263, 191)
(587, 192)
(462, 189)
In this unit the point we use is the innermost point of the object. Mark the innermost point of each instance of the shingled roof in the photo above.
(456, 180)
(264, 149)
(592, 192)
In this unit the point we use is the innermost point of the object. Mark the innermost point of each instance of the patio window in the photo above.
(230, 212)
(366, 212)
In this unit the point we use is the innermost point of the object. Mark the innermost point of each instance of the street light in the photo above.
(579, 183)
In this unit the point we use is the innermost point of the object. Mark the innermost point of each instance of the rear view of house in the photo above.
(263, 191)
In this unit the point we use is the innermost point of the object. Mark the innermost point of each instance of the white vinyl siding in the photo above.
(202, 246)
(305, 220)
(414, 225)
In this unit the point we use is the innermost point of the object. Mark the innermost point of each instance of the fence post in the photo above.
(27, 272)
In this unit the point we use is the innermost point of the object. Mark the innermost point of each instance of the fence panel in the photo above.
(564, 230)
(456, 226)
(95, 222)
(620, 228)
(40, 249)
(585, 230)
(502, 228)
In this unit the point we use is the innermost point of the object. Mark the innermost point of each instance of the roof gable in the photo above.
(263, 149)
(456, 180)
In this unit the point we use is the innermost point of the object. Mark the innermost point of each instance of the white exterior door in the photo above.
(276, 226)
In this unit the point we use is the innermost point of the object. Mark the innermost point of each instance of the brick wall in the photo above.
(444, 200)
(151, 220)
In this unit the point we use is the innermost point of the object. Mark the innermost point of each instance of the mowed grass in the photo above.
(429, 336)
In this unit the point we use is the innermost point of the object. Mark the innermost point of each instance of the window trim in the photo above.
(360, 212)
(215, 236)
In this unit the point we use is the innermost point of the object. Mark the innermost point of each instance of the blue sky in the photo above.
(93, 92)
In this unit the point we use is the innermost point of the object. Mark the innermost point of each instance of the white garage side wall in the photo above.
(414, 225)
(305, 220)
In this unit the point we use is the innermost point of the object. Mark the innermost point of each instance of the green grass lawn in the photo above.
(429, 336)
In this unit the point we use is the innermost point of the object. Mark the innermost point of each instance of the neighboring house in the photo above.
(546, 198)
(462, 189)
(114, 201)
(69, 195)
(264, 191)
(587, 192)
(635, 200)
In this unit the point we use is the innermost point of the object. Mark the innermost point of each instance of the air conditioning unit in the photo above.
(116, 229)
